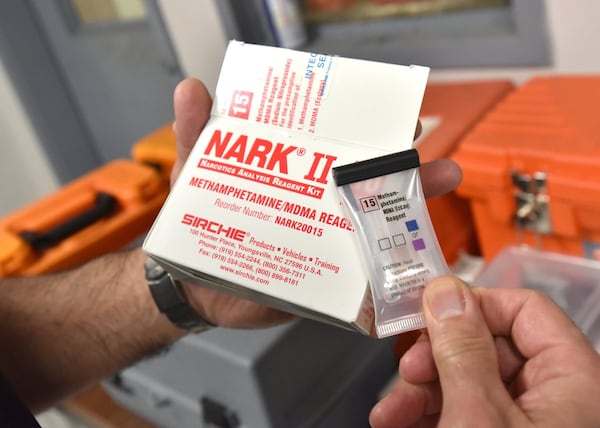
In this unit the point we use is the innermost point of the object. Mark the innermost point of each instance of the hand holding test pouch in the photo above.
(385, 201)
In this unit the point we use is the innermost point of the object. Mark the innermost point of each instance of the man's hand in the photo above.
(493, 358)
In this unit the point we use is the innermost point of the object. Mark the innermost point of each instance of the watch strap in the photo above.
(171, 300)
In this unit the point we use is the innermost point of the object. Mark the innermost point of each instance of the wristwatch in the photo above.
(168, 295)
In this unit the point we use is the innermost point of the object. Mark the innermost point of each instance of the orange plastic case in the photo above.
(531, 168)
(100, 212)
(454, 108)
(157, 149)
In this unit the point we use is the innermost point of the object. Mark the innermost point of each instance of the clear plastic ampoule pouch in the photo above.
(385, 201)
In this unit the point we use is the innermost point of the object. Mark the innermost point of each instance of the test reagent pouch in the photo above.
(386, 203)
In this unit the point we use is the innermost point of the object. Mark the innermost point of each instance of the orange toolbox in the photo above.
(102, 211)
(157, 149)
(449, 111)
(531, 168)
(99, 212)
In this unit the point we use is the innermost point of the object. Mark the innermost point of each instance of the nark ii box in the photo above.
(255, 211)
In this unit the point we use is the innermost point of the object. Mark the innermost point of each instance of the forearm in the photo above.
(62, 332)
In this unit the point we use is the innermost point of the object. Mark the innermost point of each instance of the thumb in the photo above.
(463, 350)
(192, 104)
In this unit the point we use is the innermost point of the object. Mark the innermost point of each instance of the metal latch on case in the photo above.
(532, 211)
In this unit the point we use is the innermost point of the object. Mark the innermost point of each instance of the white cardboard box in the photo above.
(255, 211)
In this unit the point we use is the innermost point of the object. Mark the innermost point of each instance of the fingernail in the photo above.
(445, 298)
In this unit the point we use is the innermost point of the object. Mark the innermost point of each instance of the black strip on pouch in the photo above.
(104, 206)
(375, 167)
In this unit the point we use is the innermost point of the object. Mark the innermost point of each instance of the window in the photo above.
(437, 33)
(98, 12)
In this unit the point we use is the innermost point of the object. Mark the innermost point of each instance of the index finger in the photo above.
(439, 176)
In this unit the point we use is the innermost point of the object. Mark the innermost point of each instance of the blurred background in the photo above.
(83, 81)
